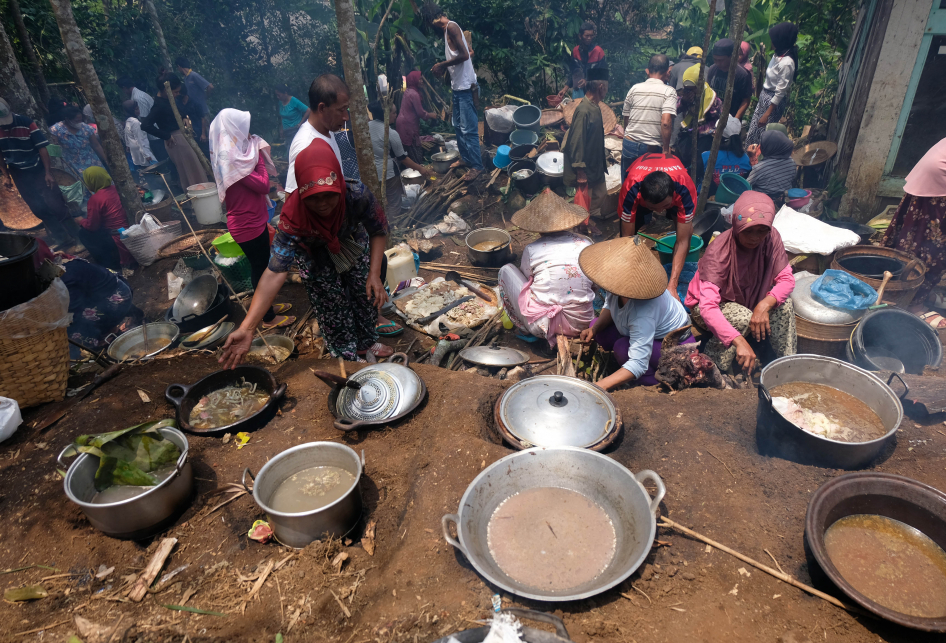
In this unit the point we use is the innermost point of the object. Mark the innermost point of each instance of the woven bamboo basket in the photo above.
(829, 340)
(898, 291)
(34, 361)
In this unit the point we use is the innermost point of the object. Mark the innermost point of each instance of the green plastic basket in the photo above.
(239, 274)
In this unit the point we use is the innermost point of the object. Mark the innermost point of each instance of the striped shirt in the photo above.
(20, 142)
(644, 106)
(773, 176)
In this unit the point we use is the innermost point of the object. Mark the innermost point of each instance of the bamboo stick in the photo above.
(785, 578)
(434, 264)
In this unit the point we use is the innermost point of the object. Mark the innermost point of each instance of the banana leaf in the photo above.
(128, 456)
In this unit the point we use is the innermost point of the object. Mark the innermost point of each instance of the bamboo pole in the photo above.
(700, 88)
(782, 576)
(740, 9)
(169, 93)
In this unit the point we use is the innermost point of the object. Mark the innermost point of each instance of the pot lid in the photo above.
(807, 307)
(377, 398)
(555, 411)
(494, 356)
(551, 163)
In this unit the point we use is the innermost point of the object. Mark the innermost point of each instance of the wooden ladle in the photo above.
(883, 284)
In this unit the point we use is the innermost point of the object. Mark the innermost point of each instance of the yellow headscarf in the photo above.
(690, 77)
(96, 178)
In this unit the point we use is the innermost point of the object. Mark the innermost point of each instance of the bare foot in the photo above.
(471, 175)
(458, 164)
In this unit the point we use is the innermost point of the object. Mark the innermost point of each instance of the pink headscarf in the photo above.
(745, 276)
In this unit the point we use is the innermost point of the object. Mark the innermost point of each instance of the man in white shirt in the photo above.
(328, 105)
(649, 110)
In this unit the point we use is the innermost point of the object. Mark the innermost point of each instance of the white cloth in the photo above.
(803, 234)
(304, 137)
(234, 152)
(733, 126)
(462, 76)
(642, 321)
(644, 107)
(137, 142)
(552, 263)
(778, 77)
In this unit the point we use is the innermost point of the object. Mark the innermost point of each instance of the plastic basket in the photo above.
(226, 246)
(238, 274)
(145, 247)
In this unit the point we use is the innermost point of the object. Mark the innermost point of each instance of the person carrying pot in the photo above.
(549, 295)
(639, 310)
(742, 285)
(335, 232)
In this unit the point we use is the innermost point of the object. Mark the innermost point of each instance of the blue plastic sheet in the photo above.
(839, 289)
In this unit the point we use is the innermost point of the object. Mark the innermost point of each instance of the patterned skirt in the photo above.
(754, 137)
(917, 228)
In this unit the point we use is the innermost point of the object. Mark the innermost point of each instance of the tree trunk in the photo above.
(107, 132)
(264, 37)
(15, 89)
(351, 62)
(290, 38)
(700, 88)
(740, 10)
(159, 33)
(38, 76)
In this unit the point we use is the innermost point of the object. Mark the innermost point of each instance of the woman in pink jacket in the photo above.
(742, 286)
(240, 161)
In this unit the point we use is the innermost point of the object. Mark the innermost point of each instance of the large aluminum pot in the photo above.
(138, 517)
(299, 529)
(495, 258)
(599, 478)
(776, 436)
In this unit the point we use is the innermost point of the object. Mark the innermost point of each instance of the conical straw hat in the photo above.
(625, 267)
(549, 212)
(609, 120)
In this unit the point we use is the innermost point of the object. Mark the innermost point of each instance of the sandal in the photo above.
(934, 319)
(378, 350)
(281, 309)
(390, 329)
(277, 322)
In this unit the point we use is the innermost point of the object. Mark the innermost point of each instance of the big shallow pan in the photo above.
(138, 517)
(913, 503)
(185, 398)
(615, 489)
(777, 436)
(129, 342)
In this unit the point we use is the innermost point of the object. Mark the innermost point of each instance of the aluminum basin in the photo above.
(336, 519)
(614, 488)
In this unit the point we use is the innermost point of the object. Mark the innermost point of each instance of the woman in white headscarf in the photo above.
(242, 167)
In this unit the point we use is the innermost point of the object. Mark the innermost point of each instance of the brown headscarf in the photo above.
(745, 276)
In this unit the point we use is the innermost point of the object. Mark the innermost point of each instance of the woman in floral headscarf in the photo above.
(742, 285)
(335, 232)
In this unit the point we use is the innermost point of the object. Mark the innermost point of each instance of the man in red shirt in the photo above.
(655, 183)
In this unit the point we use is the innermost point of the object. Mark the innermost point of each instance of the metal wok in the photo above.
(380, 394)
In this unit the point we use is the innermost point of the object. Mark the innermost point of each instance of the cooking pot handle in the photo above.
(394, 359)
(62, 454)
(280, 391)
(344, 424)
(540, 617)
(243, 480)
(111, 337)
(906, 389)
(330, 378)
(764, 394)
(661, 489)
(445, 522)
(169, 394)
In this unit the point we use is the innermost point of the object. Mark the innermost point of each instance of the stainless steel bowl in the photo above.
(620, 493)
(196, 297)
(131, 343)
(299, 529)
(280, 341)
(138, 517)
(499, 256)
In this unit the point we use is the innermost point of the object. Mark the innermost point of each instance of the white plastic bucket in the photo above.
(205, 203)
(400, 265)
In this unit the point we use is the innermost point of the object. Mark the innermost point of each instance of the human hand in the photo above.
(586, 336)
(235, 348)
(759, 323)
(50, 181)
(764, 119)
(437, 69)
(672, 289)
(375, 290)
(745, 356)
(581, 84)
(562, 92)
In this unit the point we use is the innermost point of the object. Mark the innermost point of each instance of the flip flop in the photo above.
(281, 309)
(934, 319)
(379, 350)
(397, 329)
(278, 321)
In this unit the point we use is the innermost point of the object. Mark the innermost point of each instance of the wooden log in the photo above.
(151, 572)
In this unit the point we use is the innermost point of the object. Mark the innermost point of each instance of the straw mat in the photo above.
(607, 115)
(549, 212)
(625, 267)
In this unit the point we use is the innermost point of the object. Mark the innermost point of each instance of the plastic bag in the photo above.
(500, 119)
(803, 234)
(839, 289)
(10, 418)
